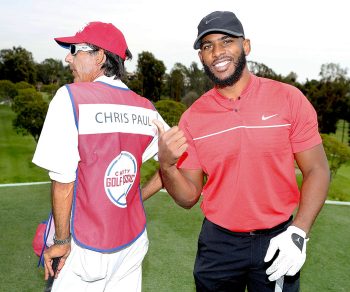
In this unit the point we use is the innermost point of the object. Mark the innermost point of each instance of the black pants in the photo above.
(233, 261)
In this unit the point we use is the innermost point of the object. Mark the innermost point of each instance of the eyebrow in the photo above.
(220, 39)
(228, 37)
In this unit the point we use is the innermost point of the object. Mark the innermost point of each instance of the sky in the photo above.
(298, 35)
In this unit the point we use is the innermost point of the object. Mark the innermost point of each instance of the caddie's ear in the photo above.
(100, 57)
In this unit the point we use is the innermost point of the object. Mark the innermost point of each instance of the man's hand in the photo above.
(292, 253)
(172, 144)
(52, 252)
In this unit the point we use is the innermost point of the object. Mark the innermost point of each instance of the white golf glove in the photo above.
(292, 253)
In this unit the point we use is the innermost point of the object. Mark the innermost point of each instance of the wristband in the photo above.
(61, 241)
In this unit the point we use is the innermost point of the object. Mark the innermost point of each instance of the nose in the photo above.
(218, 50)
(69, 58)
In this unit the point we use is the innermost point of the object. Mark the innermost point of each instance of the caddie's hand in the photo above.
(172, 144)
(55, 251)
(292, 253)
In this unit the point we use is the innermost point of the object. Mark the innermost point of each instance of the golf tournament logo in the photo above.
(120, 177)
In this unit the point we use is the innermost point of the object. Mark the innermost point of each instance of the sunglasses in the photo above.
(74, 49)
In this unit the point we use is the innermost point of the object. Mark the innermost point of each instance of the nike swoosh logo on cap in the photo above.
(207, 21)
(264, 118)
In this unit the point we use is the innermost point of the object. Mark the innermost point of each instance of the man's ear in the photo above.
(100, 57)
(200, 56)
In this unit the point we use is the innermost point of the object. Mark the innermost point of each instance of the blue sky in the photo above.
(298, 35)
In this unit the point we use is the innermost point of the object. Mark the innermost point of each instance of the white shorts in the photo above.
(90, 271)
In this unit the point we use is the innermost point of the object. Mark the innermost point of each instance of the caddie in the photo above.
(96, 135)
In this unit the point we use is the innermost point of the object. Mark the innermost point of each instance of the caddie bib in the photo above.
(114, 129)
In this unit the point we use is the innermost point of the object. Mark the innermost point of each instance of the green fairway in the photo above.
(328, 261)
(16, 152)
(340, 186)
(339, 189)
(21, 209)
(173, 234)
(342, 132)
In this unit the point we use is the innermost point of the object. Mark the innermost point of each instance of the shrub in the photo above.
(170, 110)
(337, 153)
(8, 90)
(23, 85)
(50, 89)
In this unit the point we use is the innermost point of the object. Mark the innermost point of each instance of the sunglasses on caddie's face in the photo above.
(74, 48)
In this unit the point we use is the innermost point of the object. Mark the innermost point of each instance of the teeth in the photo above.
(222, 64)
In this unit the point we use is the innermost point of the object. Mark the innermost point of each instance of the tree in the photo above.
(17, 64)
(332, 72)
(291, 78)
(66, 76)
(189, 98)
(150, 73)
(52, 71)
(198, 81)
(8, 90)
(329, 96)
(261, 70)
(170, 110)
(176, 81)
(30, 109)
(134, 83)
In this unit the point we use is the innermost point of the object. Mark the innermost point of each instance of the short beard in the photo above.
(233, 78)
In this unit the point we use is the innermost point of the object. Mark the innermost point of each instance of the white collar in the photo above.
(111, 81)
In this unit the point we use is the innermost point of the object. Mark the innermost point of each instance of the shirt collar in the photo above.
(111, 81)
(246, 93)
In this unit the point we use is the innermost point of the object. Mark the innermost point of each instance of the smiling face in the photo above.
(223, 58)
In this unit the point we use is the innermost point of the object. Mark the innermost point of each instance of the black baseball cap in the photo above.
(219, 21)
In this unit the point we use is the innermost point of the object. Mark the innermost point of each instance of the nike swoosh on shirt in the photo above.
(264, 118)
